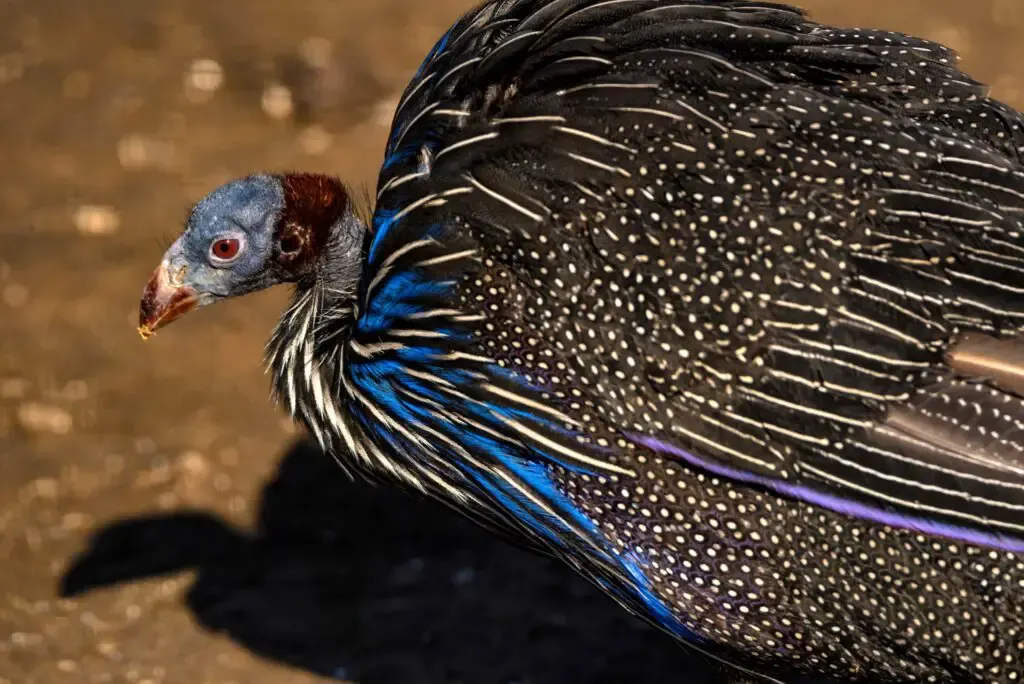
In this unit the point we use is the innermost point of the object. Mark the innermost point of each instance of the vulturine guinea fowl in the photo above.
(717, 304)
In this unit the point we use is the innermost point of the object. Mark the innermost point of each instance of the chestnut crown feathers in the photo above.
(313, 205)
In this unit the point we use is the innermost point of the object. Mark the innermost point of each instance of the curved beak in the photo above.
(165, 298)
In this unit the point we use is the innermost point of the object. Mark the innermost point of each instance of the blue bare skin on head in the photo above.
(244, 210)
(248, 235)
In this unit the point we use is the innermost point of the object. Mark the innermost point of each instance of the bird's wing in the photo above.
(782, 252)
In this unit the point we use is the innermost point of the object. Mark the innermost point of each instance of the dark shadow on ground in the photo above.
(368, 583)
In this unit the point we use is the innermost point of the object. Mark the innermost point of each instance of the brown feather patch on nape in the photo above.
(313, 203)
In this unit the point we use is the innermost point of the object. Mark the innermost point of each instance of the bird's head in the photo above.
(251, 234)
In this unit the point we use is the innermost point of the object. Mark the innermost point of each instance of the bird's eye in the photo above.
(225, 249)
(290, 244)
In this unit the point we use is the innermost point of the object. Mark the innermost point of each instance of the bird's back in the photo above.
(692, 293)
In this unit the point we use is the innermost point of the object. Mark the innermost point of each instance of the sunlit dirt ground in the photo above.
(153, 486)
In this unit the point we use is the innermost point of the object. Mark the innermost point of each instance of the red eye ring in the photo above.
(225, 249)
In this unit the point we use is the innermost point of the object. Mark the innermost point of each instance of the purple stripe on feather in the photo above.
(838, 504)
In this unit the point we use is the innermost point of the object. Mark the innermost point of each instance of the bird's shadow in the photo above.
(353, 581)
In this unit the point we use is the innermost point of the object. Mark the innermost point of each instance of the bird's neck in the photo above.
(305, 354)
(337, 263)
(306, 358)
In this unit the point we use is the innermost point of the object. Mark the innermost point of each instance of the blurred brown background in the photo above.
(116, 115)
